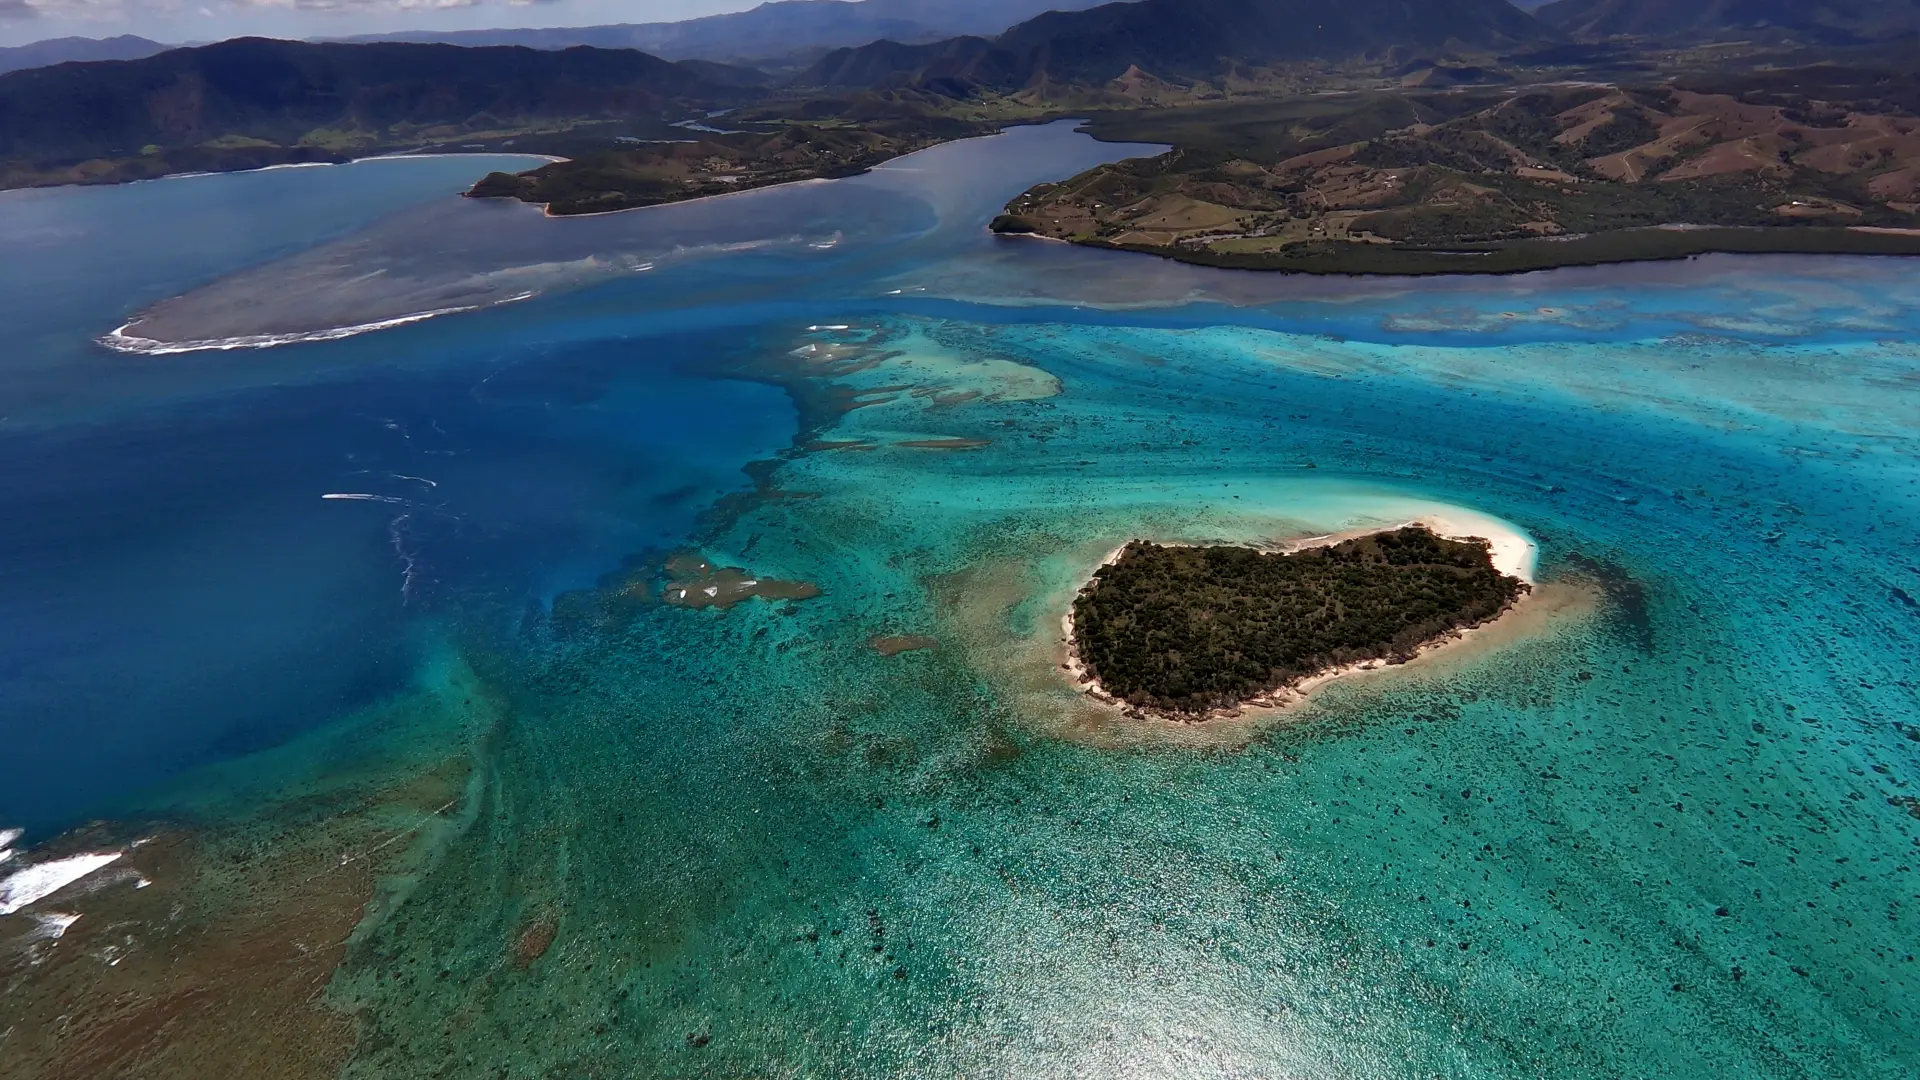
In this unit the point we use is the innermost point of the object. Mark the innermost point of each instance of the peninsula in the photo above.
(1186, 633)
(1499, 180)
(717, 163)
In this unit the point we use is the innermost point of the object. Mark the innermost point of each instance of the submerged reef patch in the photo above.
(894, 645)
(693, 582)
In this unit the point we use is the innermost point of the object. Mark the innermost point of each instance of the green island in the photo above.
(1186, 632)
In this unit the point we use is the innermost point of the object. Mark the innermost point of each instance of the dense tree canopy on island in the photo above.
(1187, 630)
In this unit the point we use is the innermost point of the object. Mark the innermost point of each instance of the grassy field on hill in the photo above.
(1486, 179)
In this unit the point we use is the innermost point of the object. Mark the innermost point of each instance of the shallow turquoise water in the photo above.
(1674, 838)
(1659, 843)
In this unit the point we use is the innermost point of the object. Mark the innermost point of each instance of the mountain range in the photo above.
(76, 49)
(250, 102)
(253, 91)
(1180, 39)
(1821, 21)
(771, 31)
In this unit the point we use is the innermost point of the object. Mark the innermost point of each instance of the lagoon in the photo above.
(1672, 836)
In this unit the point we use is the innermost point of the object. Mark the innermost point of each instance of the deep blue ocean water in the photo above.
(1674, 836)
(178, 589)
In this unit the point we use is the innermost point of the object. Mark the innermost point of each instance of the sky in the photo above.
(179, 21)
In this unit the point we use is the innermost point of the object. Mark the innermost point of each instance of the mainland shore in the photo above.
(1652, 244)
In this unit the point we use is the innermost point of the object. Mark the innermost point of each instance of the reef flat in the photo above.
(1186, 632)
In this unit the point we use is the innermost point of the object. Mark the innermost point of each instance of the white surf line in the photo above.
(42, 880)
(122, 341)
(355, 496)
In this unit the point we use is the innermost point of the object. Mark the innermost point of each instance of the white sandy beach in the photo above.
(1514, 552)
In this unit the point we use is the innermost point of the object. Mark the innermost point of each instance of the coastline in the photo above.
(326, 163)
(1512, 554)
(1661, 243)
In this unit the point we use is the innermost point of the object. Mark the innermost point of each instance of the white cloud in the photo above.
(203, 20)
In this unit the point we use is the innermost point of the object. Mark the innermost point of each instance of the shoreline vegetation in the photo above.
(1670, 243)
(1191, 634)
